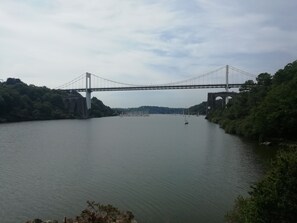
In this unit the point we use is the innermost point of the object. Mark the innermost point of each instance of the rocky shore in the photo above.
(95, 212)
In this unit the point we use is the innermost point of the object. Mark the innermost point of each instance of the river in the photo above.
(156, 167)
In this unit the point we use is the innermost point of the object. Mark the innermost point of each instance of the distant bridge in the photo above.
(157, 87)
(225, 77)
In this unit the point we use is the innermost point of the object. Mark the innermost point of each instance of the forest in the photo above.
(22, 102)
(265, 110)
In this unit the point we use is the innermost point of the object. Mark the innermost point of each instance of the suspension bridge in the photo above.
(224, 77)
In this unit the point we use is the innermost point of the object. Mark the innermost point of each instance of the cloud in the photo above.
(146, 41)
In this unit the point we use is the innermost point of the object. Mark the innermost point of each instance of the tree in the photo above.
(264, 79)
(273, 199)
(267, 110)
(285, 75)
(247, 86)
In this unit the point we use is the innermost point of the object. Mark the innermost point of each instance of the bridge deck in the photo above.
(157, 87)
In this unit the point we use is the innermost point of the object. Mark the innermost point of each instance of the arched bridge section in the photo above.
(212, 102)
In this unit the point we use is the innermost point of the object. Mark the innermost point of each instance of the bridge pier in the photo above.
(75, 103)
(211, 100)
(88, 90)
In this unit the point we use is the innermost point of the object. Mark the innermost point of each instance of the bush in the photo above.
(273, 199)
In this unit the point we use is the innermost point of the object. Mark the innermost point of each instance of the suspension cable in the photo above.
(79, 78)
(71, 82)
(243, 72)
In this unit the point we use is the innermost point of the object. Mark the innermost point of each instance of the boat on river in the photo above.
(186, 119)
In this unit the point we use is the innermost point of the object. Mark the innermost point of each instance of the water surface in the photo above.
(156, 167)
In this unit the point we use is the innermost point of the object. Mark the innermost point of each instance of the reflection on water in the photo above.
(157, 167)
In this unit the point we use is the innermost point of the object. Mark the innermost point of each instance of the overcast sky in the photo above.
(50, 42)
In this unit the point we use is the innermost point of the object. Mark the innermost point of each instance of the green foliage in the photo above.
(198, 109)
(22, 102)
(98, 109)
(273, 199)
(98, 213)
(247, 86)
(264, 79)
(265, 110)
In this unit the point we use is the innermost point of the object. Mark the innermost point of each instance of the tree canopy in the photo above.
(274, 198)
(22, 102)
(267, 109)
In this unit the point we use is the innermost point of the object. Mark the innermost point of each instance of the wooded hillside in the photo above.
(266, 110)
(22, 102)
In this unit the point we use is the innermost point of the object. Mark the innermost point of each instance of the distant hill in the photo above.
(22, 102)
(199, 109)
(150, 110)
(194, 110)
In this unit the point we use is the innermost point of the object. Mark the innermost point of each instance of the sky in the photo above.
(51, 42)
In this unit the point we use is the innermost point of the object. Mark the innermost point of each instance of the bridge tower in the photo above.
(88, 90)
(227, 83)
(227, 78)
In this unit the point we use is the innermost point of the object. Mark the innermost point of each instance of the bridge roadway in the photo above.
(156, 87)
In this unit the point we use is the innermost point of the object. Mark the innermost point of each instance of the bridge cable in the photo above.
(72, 82)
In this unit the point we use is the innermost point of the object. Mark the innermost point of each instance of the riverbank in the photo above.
(268, 142)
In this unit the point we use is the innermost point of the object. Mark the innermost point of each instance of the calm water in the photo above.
(160, 169)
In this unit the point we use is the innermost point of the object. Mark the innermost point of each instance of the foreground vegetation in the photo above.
(96, 213)
(264, 111)
(22, 102)
(274, 198)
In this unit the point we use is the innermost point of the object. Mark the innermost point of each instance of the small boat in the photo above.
(186, 120)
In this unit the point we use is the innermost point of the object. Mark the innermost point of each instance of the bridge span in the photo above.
(224, 77)
(156, 87)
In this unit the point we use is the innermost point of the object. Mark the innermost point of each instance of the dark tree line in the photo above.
(22, 102)
(151, 110)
